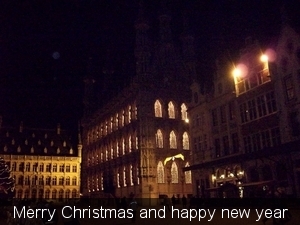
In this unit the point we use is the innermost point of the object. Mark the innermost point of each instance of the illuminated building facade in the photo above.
(43, 162)
(139, 141)
(245, 154)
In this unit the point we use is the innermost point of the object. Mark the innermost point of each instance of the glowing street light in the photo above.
(264, 58)
(237, 72)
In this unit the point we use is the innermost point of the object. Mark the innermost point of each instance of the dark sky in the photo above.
(44, 46)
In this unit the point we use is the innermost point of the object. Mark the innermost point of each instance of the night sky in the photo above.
(45, 46)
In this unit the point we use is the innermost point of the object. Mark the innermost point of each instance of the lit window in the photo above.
(183, 112)
(131, 176)
(159, 139)
(123, 146)
(117, 121)
(129, 114)
(160, 173)
(173, 142)
(171, 110)
(174, 173)
(188, 175)
(185, 141)
(118, 179)
(123, 118)
(129, 143)
(157, 109)
(124, 177)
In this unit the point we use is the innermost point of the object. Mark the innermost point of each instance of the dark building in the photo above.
(251, 123)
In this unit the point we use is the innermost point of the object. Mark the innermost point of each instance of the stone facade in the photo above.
(139, 141)
(245, 154)
(43, 162)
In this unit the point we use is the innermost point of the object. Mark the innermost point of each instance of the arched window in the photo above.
(47, 194)
(67, 194)
(174, 173)
(123, 146)
(61, 181)
(183, 112)
(131, 175)
(185, 141)
(157, 109)
(159, 139)
(173, 142)
(27, 180)
(61, 194)
(48, 180)
(19, 194)
(124, 177)
(129, 114)
(26, 194)
(112, 153)
(171, 110)
(74, 181)
(188, 175)
(74, 193)
(129, 143)
(118, 179)
(67, 180)
(54, 194)
(160, 173)
(20, 180)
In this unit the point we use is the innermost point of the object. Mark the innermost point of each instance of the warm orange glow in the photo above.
(264, 58)
(237, 72)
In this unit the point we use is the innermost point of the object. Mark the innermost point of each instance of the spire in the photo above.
(142, 45)
(188, 47)
(141, 22)
(164, 22)
(79, 133)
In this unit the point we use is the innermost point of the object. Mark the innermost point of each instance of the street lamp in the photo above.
(264, 58)
(236, 73)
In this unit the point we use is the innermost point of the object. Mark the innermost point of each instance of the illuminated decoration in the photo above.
(178, 156)
(7, 183)
(157, 109)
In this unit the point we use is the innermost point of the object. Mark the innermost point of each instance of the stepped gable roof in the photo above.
(35, 141)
